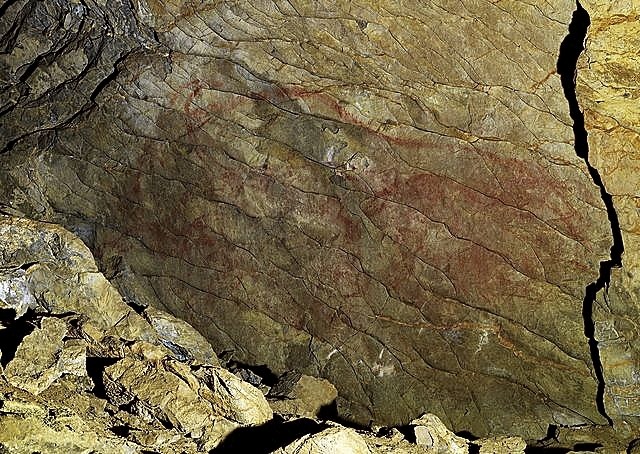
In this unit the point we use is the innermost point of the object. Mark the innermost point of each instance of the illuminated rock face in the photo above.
(383, 195)
(608, 88)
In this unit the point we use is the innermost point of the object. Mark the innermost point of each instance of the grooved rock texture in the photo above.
(382, 194)
(608, 88)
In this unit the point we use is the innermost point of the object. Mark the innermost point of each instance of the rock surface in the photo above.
(70, 387)
(329, 441)
(87, 345)
(608, 88)
(384, 197)
(307, 398)
(431, 433)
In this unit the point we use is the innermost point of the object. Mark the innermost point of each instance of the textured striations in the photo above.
(383, 196)
(608, 88)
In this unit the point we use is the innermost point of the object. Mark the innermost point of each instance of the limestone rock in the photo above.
(181, 338)
(233, 398)
(393, 442)
(501, 445)
(78, 343)
(432, 434)
(307, 398)
(329, 441)
(609, 91)
(385, 197)
(38, 361)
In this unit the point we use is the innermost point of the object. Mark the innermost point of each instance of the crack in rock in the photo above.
(570, 49)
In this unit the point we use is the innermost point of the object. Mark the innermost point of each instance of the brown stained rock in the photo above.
(382, 196)
(308, 396)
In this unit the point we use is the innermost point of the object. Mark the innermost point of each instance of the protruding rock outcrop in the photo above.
(383, 197)
(92, 373)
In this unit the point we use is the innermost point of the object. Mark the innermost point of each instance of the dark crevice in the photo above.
(12, 332)
(589, 447)
(253, 374)
(269, 436)
(570, 49)
(84, 110)
(121, 431)
(633, 445)
(95, 368)
(110, 77)
(546, 450)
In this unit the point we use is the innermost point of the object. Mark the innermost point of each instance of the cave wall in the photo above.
(382, 194)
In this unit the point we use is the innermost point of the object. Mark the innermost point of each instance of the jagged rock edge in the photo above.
(573, 45)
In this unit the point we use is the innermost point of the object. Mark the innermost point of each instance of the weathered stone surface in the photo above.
(609, 91)
(501, 445)
(180, 337)
(43, 357)
(87, 345)
(383, 196)
(329, 441)
(307, 398)
(182, 400)
(432, 434)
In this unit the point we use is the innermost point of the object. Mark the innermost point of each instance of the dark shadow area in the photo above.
(14, 332)
(329, 412)
(587, 447)
(267, 377)
(467, 435)
(267, 437)
(95, 367)
(546, 450)
(570, 49)
(408, 433)
(7, 315)
(137, 308)
(120, 431)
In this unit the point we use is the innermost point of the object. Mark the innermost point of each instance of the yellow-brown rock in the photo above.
(608, 87)
(383, 194)
(308, 397)
(329, 441)
(85, 372)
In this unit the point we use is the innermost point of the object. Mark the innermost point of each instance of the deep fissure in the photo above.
(572, 46)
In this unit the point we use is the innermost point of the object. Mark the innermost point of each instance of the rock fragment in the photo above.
(307, 397)
(329, 441)
(433, 435)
